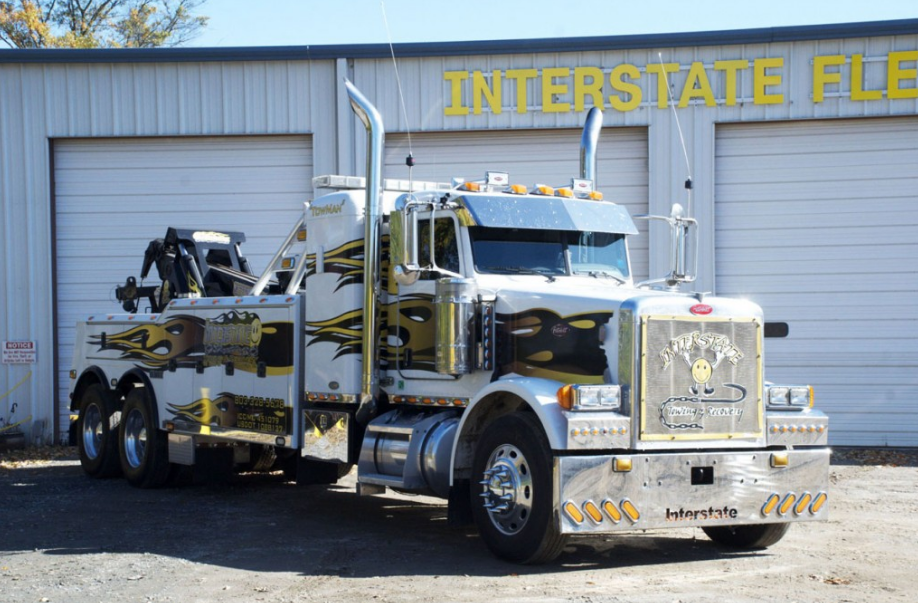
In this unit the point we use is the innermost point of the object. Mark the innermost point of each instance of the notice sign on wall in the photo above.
(19, 352)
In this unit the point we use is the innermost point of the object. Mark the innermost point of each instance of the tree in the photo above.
(99, 23)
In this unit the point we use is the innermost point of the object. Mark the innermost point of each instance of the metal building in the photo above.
(802, 143)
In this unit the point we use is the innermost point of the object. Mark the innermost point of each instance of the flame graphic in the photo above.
(180, 339)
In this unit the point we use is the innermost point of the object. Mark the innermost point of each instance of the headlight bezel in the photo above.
(789, 397)
(590, 397)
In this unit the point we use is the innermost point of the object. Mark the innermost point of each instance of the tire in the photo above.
(144, 448)
(758, 536)
(512, 506)
(97, 432)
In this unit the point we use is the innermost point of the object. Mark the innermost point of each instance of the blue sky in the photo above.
(322, 22)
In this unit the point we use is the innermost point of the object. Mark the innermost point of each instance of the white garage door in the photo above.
(113, 196)
(817, 222)
(536, 156)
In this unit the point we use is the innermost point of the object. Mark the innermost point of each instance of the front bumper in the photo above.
(603, 494)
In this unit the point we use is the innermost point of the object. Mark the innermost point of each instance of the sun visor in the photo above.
(548, 213)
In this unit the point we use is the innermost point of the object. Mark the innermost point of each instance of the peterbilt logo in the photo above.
(701, 309)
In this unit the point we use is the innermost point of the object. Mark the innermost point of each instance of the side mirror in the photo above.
(403, 246)
(683, 259)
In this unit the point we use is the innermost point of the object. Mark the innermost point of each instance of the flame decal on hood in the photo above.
(542, 343)
(180, 338)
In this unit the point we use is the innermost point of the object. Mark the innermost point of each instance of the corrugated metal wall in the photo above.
(42, 102)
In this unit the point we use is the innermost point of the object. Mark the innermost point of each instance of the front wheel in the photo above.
(758, 536)
(513, 505)
(97, 427)
(144, 448)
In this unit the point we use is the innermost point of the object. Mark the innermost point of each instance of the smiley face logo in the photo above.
(701, 374)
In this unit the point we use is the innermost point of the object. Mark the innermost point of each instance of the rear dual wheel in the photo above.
(97, 427)
(144, 448)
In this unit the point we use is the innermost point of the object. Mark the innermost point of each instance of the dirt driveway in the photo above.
(68, 538)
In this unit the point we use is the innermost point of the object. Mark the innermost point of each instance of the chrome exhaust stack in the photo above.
(376, 136)
(588, 143)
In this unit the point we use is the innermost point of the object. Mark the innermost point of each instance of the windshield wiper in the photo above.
(519, 270)
(599, 273)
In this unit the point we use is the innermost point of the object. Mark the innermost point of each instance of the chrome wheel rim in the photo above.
(135, 438)
(507, 489)
(92, 431)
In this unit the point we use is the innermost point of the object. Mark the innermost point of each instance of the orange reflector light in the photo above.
(170, 426)
(770, 504)
(630, 510)
(596, 195)
(73, 374)
(573, 512)
(566, 396)
(442, 401)
(779, 459)
(287, 263)
(541, 189)
(621, 465)
(821, 499)
(518, 189)
(564, 192)
(301, 235)
(593, 511)
(787, 504)
(612, 511)
(471, 186)
(803, 503)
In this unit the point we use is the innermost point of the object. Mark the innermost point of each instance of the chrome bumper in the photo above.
(601, 494)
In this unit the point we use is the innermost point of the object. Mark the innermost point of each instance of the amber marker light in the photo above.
(630, 510)
(542, 189)
(573, 512)
(564, 192)
(803, 503)
(473, 187)
(566, 396)
(612, 511)
(596, 195)
(593, 511)
(621, 465)
(779, 459)
(301, 235)
(770, 504)
(787, 503)
(518, 189)
(821, 499)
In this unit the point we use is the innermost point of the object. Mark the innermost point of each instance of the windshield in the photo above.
(550, 252)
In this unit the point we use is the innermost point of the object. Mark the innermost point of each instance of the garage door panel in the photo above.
(815, 221)
(112, 196)
(549, 157)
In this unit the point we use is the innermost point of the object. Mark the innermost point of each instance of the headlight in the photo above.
(590, 397)
(795, 396)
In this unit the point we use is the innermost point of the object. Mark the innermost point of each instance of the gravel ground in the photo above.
(69, 538)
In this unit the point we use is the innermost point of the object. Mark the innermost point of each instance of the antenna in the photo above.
(672, 105)
(409, 161)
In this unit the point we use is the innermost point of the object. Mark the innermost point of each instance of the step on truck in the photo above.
(476, 341)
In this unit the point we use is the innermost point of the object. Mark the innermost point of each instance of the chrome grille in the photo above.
(700, 378)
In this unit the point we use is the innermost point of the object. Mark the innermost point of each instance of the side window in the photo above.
(446, 248)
